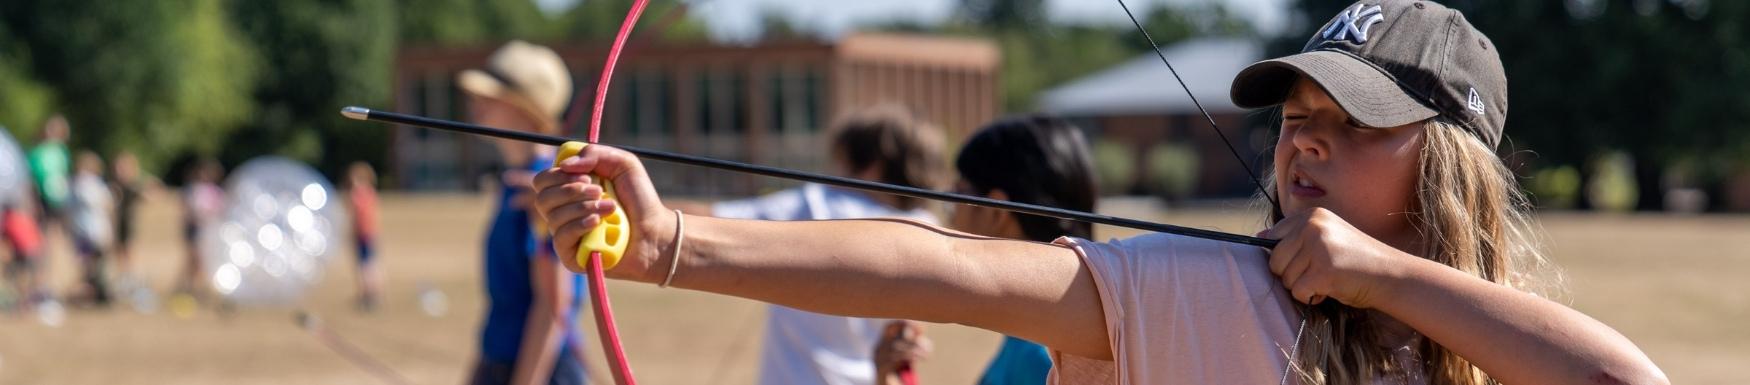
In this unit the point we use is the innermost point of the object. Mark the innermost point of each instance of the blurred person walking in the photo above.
(50, 164)
(202, 203)
(529, 334)
(88, 213)
(361, 193)
(25, 242)
(128, 187)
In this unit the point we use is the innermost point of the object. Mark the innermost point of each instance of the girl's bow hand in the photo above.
(569, 198)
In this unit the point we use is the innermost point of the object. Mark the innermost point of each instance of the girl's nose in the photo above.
(1310, 139)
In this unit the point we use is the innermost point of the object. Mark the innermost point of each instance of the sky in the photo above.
(738, 19)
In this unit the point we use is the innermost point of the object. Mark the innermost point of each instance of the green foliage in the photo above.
(1170, 24)
(471, 21)
(1612, 186)
(1555, 187)
(1116, 164)
(668, 20)
(775, 25)
(160, 77)
(1173, 168)
(1003, 14)
(24, 102)
(324, 55)
(1037, 55)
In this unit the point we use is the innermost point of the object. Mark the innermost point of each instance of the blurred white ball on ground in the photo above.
(433, 301)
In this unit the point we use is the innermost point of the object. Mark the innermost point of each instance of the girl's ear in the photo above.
(1003, 221)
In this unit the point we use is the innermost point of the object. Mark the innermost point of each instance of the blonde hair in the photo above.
(1472, 217)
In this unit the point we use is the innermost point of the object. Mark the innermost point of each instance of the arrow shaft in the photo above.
(420, 121)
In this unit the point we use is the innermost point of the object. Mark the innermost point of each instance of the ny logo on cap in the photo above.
(1352, 24)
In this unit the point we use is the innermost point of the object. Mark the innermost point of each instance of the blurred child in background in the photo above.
(529, 334)
(49, 164)
(128, 186)
(89, 212)
(884, 144)
(362, 194)
(1034, 160)
(25, 241)
(202, 203)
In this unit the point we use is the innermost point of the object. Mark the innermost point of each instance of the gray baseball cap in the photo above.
(1390, 63)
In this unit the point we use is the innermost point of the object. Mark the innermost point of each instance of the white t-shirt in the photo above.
(1183, 310)
(90, 209)
(803, 348)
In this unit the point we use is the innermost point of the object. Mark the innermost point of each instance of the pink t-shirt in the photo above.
(1183, 310)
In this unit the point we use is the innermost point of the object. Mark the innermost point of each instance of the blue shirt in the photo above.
(511, 243)
(1018, 362)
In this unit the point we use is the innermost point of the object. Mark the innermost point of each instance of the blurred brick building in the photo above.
(766, 103)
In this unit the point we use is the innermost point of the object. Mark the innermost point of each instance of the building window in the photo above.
(660, 85)
(421, 103)
(813, 99)
(644, 99)
(583, 101)
(707, 97)
(722, 101)
(775, 100)
(630, 101)
(796, 98)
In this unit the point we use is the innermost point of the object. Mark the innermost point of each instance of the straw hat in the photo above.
(529, 76)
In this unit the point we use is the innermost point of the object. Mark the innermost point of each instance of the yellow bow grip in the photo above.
(608, 238)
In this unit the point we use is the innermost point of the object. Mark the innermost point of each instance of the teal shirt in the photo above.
(49, 166)
(1018, 362)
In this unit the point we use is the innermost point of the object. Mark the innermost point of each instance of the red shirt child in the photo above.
(21, 233)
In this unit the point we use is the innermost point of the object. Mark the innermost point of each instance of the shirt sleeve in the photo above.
(1184, 310)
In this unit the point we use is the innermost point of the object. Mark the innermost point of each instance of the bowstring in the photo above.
(1206, 116)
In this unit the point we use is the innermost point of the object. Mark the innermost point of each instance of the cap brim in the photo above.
(1370, 96)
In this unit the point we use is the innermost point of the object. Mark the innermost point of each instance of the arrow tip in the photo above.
(356, 113)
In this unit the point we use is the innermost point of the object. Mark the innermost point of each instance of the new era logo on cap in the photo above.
(1352, 24)
(1474, 102)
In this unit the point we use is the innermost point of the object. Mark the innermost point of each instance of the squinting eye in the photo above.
(1353, 123)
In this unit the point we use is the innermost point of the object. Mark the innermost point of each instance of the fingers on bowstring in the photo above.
(1286, 251)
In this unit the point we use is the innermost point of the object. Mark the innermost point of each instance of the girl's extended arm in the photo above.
(866, 268)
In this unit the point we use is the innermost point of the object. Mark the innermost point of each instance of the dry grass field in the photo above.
(1675, 285)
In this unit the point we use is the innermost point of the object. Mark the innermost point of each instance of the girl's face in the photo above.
(1365, 175)
(493, 112)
